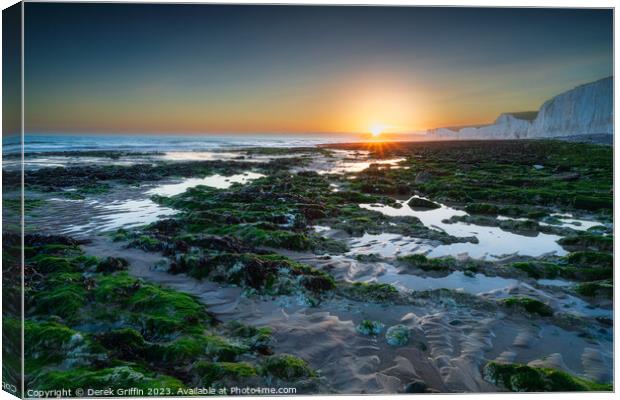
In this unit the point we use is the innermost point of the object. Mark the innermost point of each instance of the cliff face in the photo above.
(583, 110)
(586, 109)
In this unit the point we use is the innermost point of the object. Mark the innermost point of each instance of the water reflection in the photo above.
(493, 241)
(475, 284)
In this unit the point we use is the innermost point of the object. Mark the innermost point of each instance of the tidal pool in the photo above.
(121, 214)
(564, 221)
(493, 241)
(457, 280)
(568, 221)
(217, 181)
(107, 215)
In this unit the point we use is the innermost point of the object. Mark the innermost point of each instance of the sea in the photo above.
(165, 143)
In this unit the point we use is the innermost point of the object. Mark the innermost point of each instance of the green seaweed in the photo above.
(530, 305)
(374, 292)
(604, 288)
(89, 325)
(427, 264)
(369, 328)
(288, 367)
(523, 378)
(123, 376)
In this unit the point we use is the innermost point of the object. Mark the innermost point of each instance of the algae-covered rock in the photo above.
(523, 378)
(530, 305)
(369, 328)
(124, 376)
(426, 264)
(588, 241)
(258, 339)
(232, 372)
(288, 367)
(190, 348)
(112, 264)
(124, 343)
(370, 291)
(420, 203)
(397, 335)
(482, 208)
(93, 326)
(539, 269)
(590, 258)
(65, 300)
(604, 288)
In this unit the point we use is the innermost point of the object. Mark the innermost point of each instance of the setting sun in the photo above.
(376, 129)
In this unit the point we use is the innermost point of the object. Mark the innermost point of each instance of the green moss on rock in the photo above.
(287, 367)
(588, 241)
(376, 292)
(397, 335)
(123, 376)
(369, 328)
(426, 264)
(212, 372)
(523, 378)
(604, 288)
(590, 258)
(530, 305)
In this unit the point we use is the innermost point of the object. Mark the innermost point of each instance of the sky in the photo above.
(186, 69)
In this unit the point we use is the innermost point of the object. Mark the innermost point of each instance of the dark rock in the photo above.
(221, 243)
(416, 386)
(112, 264)
(167, 226)
(418, 202)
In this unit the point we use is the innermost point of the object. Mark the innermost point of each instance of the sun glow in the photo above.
(376, 129)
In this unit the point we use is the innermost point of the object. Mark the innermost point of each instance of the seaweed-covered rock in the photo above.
(230, 372)
(106, 329)
(530, 305)
(482, 208)
(604, 288)
(588, 241)
(397, 335)
(123, 376)
(523, 378)
(370, 328)
(590, 258)
(420, 203)
(426, 264)
(124, 343)
(287, 367)
(112, 264)
(370, 291)
(257, 338)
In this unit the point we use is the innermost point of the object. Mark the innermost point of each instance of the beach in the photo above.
(384, 267)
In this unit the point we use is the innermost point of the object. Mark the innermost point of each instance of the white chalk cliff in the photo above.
(586, 109)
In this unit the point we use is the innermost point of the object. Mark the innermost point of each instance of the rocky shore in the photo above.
(356, 268)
